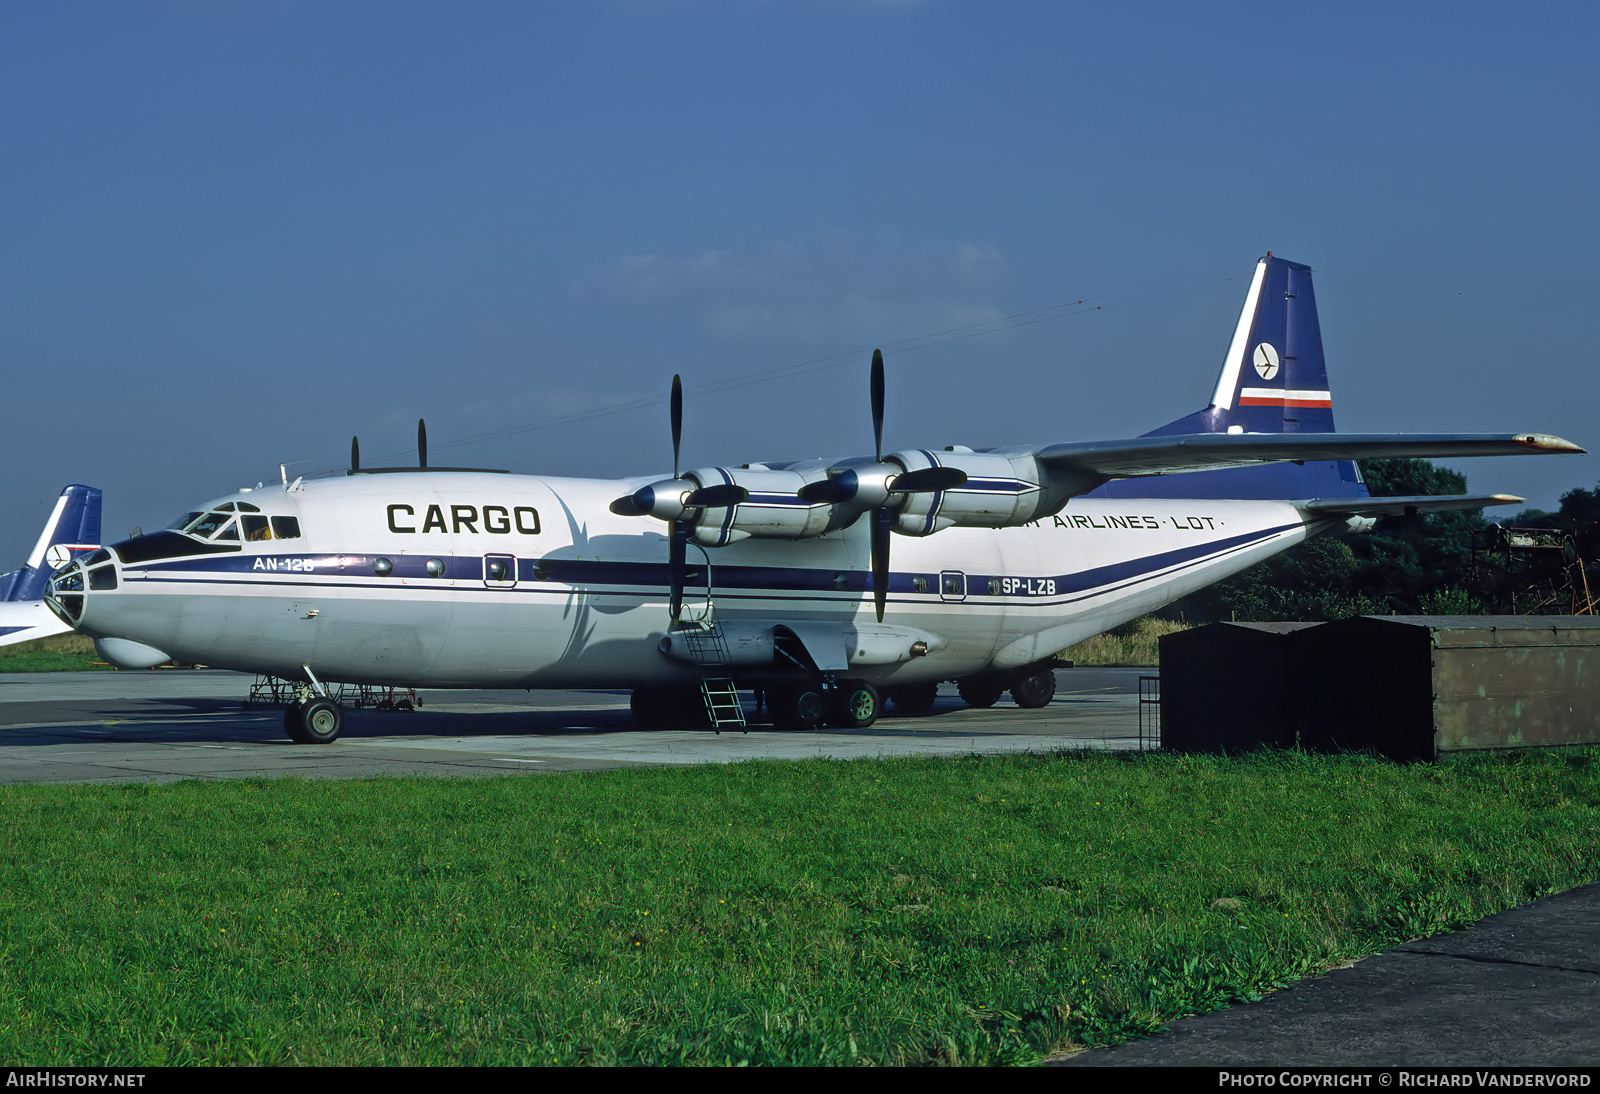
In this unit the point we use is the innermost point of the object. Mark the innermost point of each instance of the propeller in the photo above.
(355, 454)
(878, 488)
(422, 443)
(678, 501)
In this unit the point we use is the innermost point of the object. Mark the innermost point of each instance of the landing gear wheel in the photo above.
(913, 699)
(979, 692)
(1036, 690)
(314, 723)
(855, 705)
(797, 707)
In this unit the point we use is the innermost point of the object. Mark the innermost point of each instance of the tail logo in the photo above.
(1266, 361)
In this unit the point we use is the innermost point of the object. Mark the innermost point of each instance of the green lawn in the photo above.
(58, 653)
(976, 911)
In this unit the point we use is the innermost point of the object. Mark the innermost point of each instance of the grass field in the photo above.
(973, 911)
(1132, 643)
(59, 653)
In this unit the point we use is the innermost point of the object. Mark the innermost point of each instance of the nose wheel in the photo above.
(314, 722)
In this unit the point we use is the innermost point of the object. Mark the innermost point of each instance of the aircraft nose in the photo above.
(68, 587)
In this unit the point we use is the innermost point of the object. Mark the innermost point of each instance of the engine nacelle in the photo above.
(774, 509)
(1002, 490)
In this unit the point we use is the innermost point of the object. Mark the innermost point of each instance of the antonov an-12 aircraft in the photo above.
(771, 576)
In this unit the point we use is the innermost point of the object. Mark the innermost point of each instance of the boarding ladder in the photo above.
(708, 647)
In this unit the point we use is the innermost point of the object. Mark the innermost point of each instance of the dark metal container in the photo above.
(1228, 687)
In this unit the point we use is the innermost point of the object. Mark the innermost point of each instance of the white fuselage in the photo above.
(581, 600)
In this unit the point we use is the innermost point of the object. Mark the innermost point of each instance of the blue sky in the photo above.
(236, 233)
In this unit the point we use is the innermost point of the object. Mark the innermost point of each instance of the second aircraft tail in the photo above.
(74, 525)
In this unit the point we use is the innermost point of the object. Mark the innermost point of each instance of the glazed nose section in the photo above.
(77, 579)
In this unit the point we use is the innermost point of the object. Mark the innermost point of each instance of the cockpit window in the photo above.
(221, 523)
(207, 524)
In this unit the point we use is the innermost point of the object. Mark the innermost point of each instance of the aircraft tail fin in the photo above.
(1273, 380)
(74, 525)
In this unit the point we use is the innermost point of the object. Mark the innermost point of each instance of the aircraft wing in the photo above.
(1173, 455)
(1387, 507)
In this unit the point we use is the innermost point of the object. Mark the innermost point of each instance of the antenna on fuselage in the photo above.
(355, 454)
(422, 443)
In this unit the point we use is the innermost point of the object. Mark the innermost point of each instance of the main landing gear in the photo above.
(1029, 692)
(853, 704)
(807, 704)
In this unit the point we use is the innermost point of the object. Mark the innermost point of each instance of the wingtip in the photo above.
(1544, 442)
(1505, 499)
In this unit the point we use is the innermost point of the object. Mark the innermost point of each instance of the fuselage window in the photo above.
(256, 528)
(286, 527)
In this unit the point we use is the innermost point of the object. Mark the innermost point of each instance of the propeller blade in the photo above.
(927, 480)
(422, 443)
(716, 497)
(677, 425)
(877, 404)
(820, 492)
(882, 522)
(677, 546)
(355, 454)
(833, 489)
(627, 506)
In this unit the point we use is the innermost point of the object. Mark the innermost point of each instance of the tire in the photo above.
(798, 707)
(292, 724)
(319, 722)
(979, 692)
(854, 704)
(914, 699)
(1035, 691)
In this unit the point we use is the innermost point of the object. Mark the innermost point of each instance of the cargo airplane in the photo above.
(772, 576)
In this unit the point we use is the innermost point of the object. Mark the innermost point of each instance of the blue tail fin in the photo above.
(1273, 380)
(74, 526)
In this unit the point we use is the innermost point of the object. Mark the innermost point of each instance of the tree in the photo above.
(1407, 564)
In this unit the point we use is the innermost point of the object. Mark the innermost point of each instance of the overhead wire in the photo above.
(817, 364)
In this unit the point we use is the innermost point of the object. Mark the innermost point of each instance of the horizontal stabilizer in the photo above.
(1141, 456)
(1387, 507)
